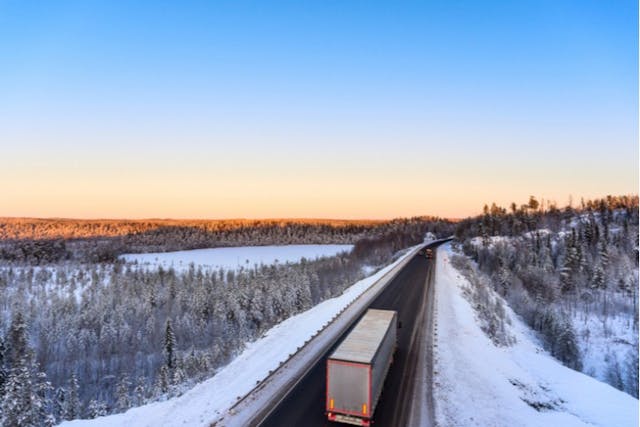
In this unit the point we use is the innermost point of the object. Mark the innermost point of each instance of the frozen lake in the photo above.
(235, 257)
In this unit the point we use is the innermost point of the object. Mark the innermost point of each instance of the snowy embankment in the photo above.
(208, 401)
(235, 257)
(479, 384)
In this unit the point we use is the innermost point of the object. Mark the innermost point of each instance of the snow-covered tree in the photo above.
(60, 404)
(123, 400)
(169, 345)
(73, 398)
(96, 409)
(140, 391)
(3, 367)
(162, 383)
(25, 401)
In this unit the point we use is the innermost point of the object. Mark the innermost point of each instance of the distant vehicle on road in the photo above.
(357, 368)
(428, 253)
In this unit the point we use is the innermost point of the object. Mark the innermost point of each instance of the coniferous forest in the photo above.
(571, 273)
(85, 334)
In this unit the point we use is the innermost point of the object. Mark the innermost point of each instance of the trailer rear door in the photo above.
(349, 388)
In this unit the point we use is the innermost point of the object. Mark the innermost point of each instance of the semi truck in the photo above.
(356, 370)
(428, 253)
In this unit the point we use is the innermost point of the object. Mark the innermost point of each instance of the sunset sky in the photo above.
(334, 109)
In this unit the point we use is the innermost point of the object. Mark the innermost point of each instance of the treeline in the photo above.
(534, 215)
(559, 268)
(63, 228)
(102, 337)
(48, 241)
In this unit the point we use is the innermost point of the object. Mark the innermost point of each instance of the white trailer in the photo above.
(357, 368)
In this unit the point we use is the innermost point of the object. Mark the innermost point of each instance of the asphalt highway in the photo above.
(408, 294)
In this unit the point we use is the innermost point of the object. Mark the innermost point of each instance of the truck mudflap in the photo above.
(348, 419)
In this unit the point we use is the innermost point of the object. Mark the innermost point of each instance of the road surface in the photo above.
(410, 294)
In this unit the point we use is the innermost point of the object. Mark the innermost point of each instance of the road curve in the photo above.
(410, 294)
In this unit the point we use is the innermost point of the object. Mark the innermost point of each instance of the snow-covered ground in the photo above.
(235, 257)
(209, 400)
(489, 240)
(479, 384)
(596, 346)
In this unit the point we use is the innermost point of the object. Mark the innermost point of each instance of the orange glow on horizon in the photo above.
(111, 186)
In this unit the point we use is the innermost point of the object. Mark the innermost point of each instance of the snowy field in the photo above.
(209, 400)
(479, 384)
(236, 257)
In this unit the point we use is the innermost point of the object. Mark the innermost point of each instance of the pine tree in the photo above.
(26, 393)
(16, 402)
(589, 231)
(96, 409)
(17, 340)
(73, 403)
(566, 274)
(584, 264)
(169, 345)
(172, 288)
(566, 346)
(60, 404)
(178, 376)
(3, 369)
(153, 299)
(614, 373)
(598, 279)
(603, 253)
(623, 285)
(140, 391)
(303, 293)
(162, 384)
(122, 394)
(42, 404)
(631, 364)
(504, 276)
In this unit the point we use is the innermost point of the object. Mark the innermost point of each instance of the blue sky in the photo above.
(316, 109)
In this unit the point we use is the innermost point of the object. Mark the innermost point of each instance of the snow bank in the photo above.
(479, 384)
(236, 257)
(209, 400)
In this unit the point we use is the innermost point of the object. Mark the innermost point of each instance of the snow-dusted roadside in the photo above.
(208, 401)
(479, 384)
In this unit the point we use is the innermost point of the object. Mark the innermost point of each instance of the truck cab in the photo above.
(428, 253)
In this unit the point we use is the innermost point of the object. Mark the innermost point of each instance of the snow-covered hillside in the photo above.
(477, 383)
(578, 280)
(235, 257)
